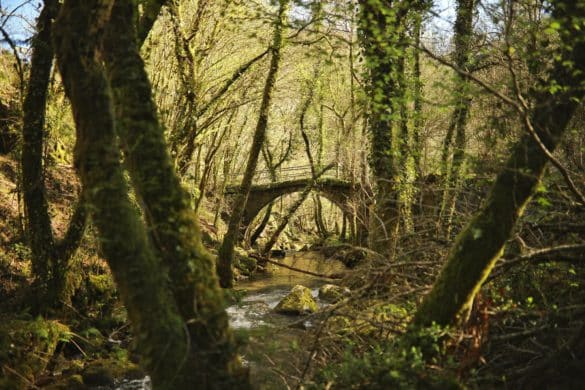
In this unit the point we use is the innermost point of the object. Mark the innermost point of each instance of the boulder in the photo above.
(353, 256)
(299, 301)
(331, 293)
(245, 264)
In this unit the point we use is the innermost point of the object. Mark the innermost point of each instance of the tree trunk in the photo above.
(343, 234)
(150, 11)
(481, 243)
(226, 251)
(40, 233)
(321, 227)
(406, 178)
(212, 360)
(418, 121)
(157, 326)
(49, 259)
(452, 172)
(380, 23)
(272, 167)
(262, 225)
(292, 210)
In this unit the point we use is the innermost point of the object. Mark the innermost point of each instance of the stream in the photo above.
(273, 350)
(270, 345)
(264, 291)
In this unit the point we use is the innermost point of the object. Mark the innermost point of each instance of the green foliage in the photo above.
(401, 363)
(26, 347)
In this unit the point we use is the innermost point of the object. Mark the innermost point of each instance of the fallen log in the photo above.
(264, 259)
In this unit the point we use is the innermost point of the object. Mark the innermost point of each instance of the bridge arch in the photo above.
(339, 192)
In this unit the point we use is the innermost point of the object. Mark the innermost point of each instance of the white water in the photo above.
(265, 291)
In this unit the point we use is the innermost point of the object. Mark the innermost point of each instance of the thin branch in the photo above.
(16, 57)
(568, 253)
(522, 108)
(267, 260)
(235, 76)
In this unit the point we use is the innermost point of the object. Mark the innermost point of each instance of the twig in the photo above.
(574, 252)
(16, 57)
(30, 384)
(521, 108)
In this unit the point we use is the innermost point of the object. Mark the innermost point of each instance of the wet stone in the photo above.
(298, 302)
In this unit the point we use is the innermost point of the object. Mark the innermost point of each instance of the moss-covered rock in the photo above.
(73, 382)
(106, 372)
(354, 256)
(349, 255)
(244, 263)
(26, 348)
(331, 293)
(299, 301)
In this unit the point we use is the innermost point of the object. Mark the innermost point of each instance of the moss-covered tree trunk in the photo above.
(418, 120)
(38, 222)
(173, 225)
(145, 21)
(453, 171)
(226, 251)
(379, 22)
(49, 259)
(406, 150)
(262, 225)
(142, 283)
(481, 243)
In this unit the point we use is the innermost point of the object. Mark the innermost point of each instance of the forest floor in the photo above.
(526, 330)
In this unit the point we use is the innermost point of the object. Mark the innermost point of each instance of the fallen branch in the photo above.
(267, 260)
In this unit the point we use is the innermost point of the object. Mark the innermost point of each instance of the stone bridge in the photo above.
(340, 192)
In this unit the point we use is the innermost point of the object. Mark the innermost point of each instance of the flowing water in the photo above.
(274, 350)
(264, 291)
(270, 342)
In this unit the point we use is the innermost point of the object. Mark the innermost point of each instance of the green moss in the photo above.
(299, 301)
(27, 346)
(245, 264)
(102, 284)
(104, 372)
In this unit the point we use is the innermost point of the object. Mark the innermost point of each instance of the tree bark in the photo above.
(157, 326)
(481, 243)
(40, 233)
(418, 121)
(226, 251)
(49, 259)
(453, 172)
(292, 210)
(380, 23)
(150, 11)
(173, 225)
